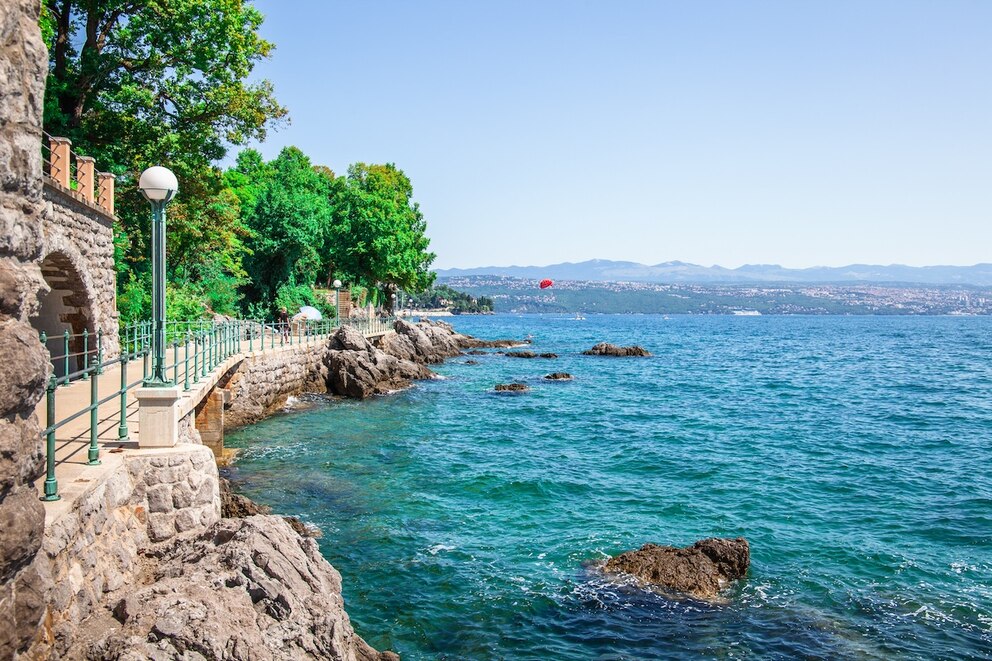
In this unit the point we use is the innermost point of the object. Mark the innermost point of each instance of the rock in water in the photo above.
(558, 376)
(700, 570)
(243, 589)
(511, 387)
(236, 506)
(521, 354)
(607, 349)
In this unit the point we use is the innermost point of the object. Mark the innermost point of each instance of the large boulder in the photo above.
(607, 349)
(357, 369)
(700, 570)
(430, 342)
(244, 589)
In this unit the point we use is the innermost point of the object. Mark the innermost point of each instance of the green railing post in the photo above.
(175, 361)
(145, 354)
(51, 484)
(122, 434)
(251, 336)
(94, 451)
(186, 361)
(272, 341)
(86, 354)
(65, 356)
(99, 350)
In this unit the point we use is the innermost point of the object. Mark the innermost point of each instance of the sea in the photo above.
(853, 453)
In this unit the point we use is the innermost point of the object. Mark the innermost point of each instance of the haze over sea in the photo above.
(852, 452)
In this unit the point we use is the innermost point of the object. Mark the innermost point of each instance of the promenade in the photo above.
(73, 438)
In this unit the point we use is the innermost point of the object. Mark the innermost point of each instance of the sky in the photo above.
(713, 132)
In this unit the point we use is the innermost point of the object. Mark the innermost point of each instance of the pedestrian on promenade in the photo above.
(283, 319)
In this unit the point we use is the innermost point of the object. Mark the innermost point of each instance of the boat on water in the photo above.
(578, 317)
(746, 313)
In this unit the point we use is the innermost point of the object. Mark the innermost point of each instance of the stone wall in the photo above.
(98, 547)
(78, 244)
(24, 369)
(261, 383)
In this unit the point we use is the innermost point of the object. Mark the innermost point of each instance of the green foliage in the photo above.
(163, 82)
(167, 82)
(380, 236)
(290, 220)
(183, 301)
(134, 300)
(293, 297)
(443, 296)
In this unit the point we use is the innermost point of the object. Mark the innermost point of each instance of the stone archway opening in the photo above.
(66, 307)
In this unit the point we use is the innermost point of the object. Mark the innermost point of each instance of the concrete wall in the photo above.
(24, 368)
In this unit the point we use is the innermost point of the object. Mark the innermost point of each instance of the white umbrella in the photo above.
(309, 312)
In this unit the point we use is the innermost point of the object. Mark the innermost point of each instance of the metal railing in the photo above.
(373, 326)
(194, 349)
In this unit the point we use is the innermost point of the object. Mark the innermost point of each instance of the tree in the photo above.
(380, 237)
(162, 82)
(290, 221)
(162, 79)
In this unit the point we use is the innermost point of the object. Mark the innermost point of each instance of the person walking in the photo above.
(283, 320)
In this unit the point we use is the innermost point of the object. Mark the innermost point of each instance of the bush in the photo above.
(134, 303)
(293, 297)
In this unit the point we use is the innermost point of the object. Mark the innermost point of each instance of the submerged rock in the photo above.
(558, 376)
(700, 570)
(511, 387)
(607, 349)
(235, 506)
(529, 354)
(243, 589)
(471, 362)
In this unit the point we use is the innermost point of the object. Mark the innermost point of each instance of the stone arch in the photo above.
(68, 305)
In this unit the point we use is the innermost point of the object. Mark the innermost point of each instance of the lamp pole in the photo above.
(337, 300)
(159, 186)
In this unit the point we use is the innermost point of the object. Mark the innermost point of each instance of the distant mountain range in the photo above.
(604, 270)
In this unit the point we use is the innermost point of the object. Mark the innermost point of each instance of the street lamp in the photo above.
(337, 300)
(392, 303)
(159, 186)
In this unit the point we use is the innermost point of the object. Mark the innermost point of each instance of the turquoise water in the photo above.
(854, 453)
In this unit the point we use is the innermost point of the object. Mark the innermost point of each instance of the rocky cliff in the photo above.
(24, 369)
(248, 588)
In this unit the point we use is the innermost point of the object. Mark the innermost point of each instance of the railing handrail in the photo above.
(205, 344)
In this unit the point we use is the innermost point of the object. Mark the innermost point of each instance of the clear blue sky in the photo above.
(799, 133)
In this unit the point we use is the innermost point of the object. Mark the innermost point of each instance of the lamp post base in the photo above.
(158, 415)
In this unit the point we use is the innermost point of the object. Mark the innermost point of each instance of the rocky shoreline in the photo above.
(254, 585)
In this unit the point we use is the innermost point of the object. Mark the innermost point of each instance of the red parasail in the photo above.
(546, 283)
